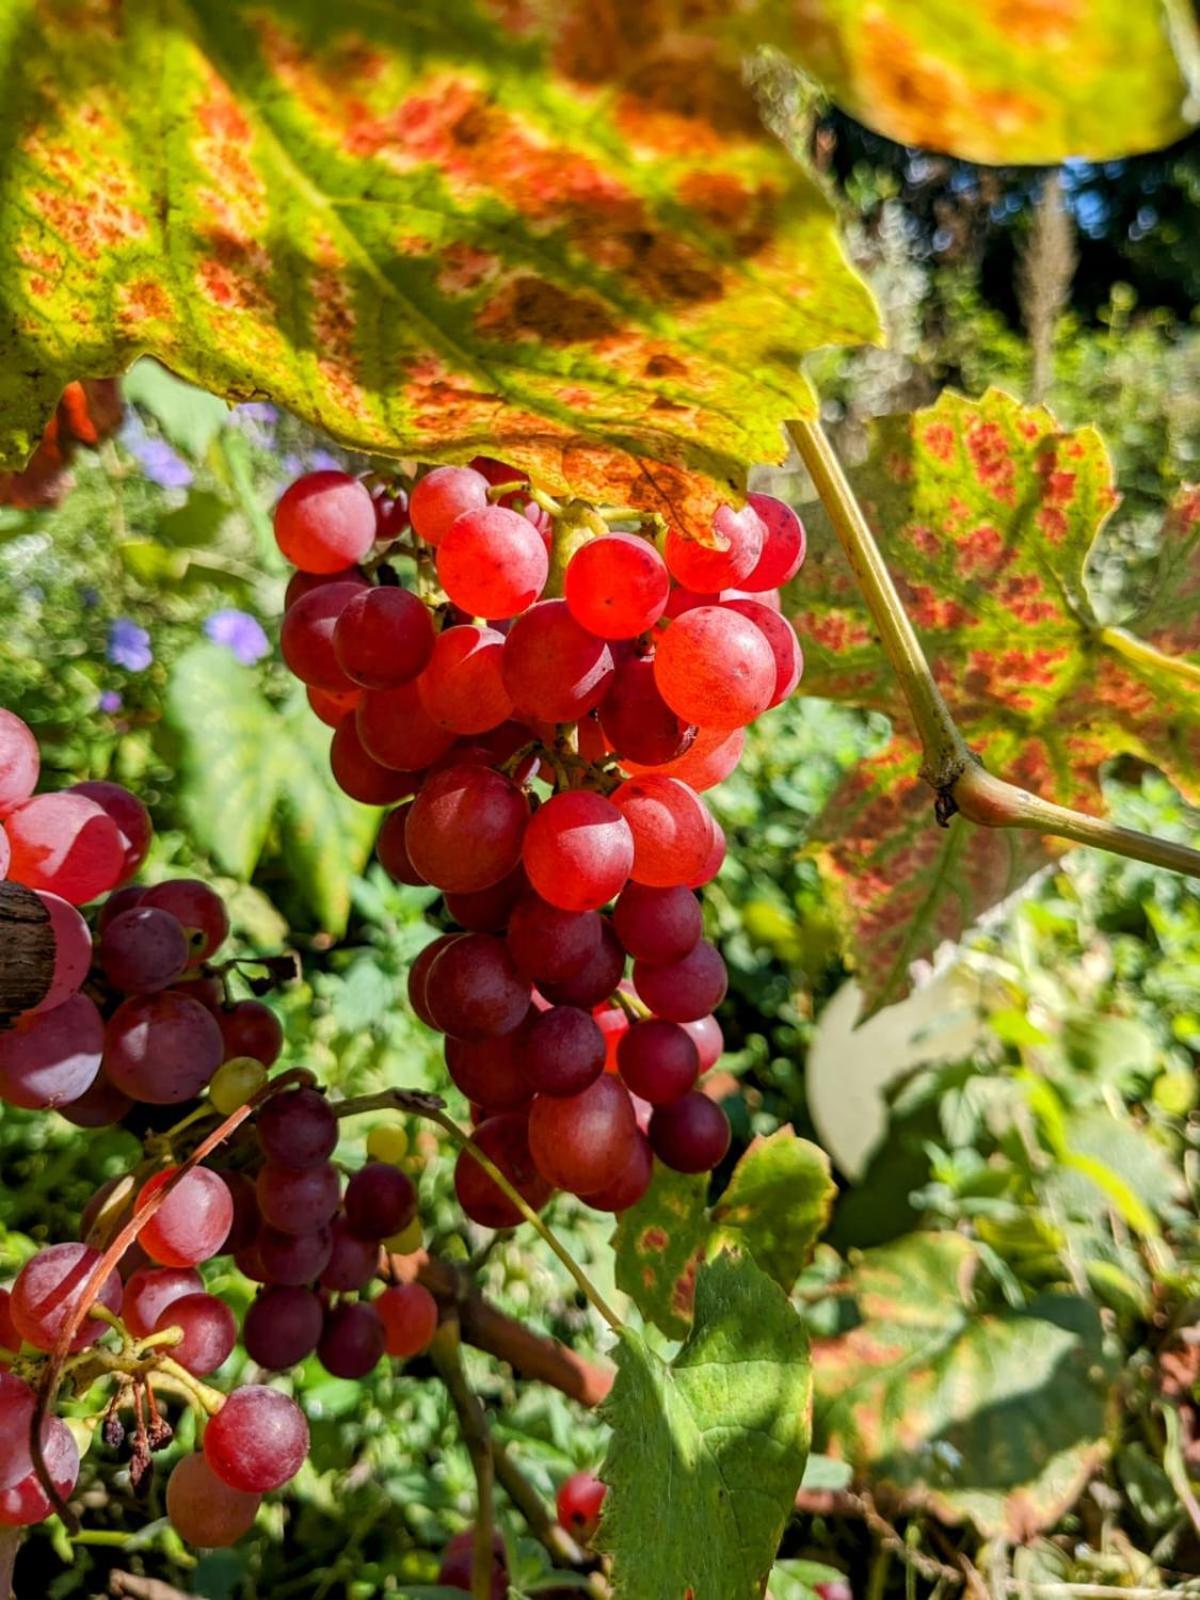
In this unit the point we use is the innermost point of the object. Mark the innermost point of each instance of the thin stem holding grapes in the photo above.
(948, 764)
(472, 1423)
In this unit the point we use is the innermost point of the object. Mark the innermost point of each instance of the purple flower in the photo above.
(110, 701)
(240, 632)
(158, 461)
(258, 411)
(128, 645)
(324, 461)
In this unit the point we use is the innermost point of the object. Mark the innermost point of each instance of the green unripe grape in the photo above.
(235, 1082)
(407, 1240)
(387, 1142)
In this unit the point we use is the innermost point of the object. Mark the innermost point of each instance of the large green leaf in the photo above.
(244, 766)
(707, 1452)
(997, 1417)
(775, 1206)
(562, 238)
(987, 512)
(1008, 80)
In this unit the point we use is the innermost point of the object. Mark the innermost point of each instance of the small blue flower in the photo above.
(110, 701)
(128, 645)
(323, 461)
(158, 461)
(240, 632)
(257, 411)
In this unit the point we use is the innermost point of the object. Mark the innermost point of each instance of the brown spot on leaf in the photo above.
(530, 307)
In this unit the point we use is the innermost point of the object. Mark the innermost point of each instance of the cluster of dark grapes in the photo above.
(546, 757)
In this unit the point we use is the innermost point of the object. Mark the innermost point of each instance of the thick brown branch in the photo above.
(26, 951)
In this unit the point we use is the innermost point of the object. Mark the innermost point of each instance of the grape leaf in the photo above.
(243, 765)
(988, 512)
(432, 230)
(715, 1440)
(996, 1417)
(996, 81)
(775, 1206)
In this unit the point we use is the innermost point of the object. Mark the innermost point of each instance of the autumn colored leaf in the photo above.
(433, 233)
(86, 413)
(1006, 81)
(987, 513)
(997, 1417)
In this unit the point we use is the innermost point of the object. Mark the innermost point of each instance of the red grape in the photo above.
(325, 521)
(418, 976)
(578, 850)
(638, 723)
(150, 1291)
(297, 1129)
(562, 1050)
(489, 1071)
(380, 1200)
(359, 775)
(290, 1259)
(72, 950)
(306, 637)
(382, 637)
(548, 944)
(204, 1511)
(244, 1227)
(50, 1287)
(595, 982)
(462, 687)
(578, 1504)
(706, 1035)
(302, 583)
(683, 991)
(492, 562)
(658, 1061)
(353, 1260)
(617, 586)
(631, 1183)
(783, 547)
(26, 1502)
(257, 1441)
(250, 1028)
(442, 496)
(20, 761)
(297, 1202)
(614, 1025)
(458, 1563)
(658, 925)
(781, 636)
(162, 1048)
(554, 670)
(17, 1405)
(706, 568)
(488, 910)
(282, 1326)
(65, 843)
(473, 990)
(465, 828)
(713, 861)
(49, 1058)
(199, 910)
(409, 1314)
(192, 1223)
(707, 762)
(582, 1143)
(332, 706)
(352, 1340)
(392, 848)
(672, 830)
(209, 1332)
(690, 1134)
(130, 816)
(396, 729)
(505, 1141)
(143, 950)
(715, 668)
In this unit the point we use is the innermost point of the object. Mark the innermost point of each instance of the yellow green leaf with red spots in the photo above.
(432, 230)
(987, 513)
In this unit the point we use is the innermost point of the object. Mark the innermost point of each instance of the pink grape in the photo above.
(130, 817)
(492, 562)
(706, 1035)
(691, 1134)
(581, 1143)
(352, 1340)
(713, 861)
(17, 1405)
(396, 729)
(638, 723)
(282, 1326)
(257, 1441)
(382, 637)
(50, 1287)
(781, 636)
(199, 910)
(209, 1332)
(72, 951)
(554, 670)
(462, 687)
(715, 668)
(297, 1129)
(657, 925)
(298, 1202)
(65, 843)
(578, 850)
(20, 761)
(143, 950)
(359, 775)
(162, 1048)
(783, 547)
(151, 1291)
(409, 1315)
(672, 830)
(706, 568)
(192, 1223)
(442, 496)
(616, 586)
(325, 521)
(49, 1058)
(306, 637)
(203, 1510)
(707, 762)
(26, 1502)
(465, 828)
(473, 990)
(686, 990)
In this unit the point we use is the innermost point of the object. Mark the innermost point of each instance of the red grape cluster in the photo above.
(546, 756)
